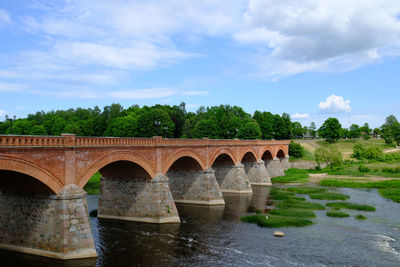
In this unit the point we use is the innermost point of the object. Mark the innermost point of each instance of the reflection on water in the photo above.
(215, 236)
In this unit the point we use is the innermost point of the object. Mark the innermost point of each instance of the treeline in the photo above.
(218, 122)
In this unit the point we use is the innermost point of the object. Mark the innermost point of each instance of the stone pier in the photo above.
(195, 187)
(136, 199)
(257, 173)
(285, 163)
(232, 179)
(54, 226)
(274, 167)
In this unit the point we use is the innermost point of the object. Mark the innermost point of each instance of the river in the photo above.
(214, 236)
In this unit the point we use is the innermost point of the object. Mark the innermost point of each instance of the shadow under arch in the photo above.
(31, 169)
(267, 155)
(220, 152)
(183, 153)
(280, 154)
(112, 157)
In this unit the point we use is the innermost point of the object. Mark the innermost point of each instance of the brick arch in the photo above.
(184, 152)
(220, 152)
(244, 151)
(270, 150)
(284, 151)
(114, 157)
(32, 169)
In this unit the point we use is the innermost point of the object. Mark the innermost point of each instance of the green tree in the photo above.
(312, 129)
(21, 127)
(354, 131)
(249, 130)
(330, 130)
(205, 128)
(123, 127)
(266, 122)
(72, 127)
(297, 130)
(38, 130)
(155, 122)
(329, 155)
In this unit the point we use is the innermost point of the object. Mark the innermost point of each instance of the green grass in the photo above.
(308, 156)
(360, 217)
(299, 213)
(279, 194)
(292, 175)
(351, 206)
(93, 186)
(293, 204)
(338, 214)
(275, 221)
(390, 193)
(340, 183)
(329, 196)
(306, 190)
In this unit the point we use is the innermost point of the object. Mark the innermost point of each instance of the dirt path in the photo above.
(317, 177)
(391, 150)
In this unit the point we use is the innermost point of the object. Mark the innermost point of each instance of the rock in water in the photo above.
(279, 233)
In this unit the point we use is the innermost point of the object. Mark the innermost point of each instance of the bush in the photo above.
(296, 150)
(370, 152)
(363, 168)
(391, 170)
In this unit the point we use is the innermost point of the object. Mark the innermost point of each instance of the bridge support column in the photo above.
(232, 179)
(274, 167)
(285, 163)
(257, 173)
(134, 199)
(195, 187)
(54, 226)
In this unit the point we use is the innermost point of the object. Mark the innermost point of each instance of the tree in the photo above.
(391, 130)
(354, 131)
(266, 122)
(297, 130)
(249, 130)
(72, 127)
(329, 155)
(205, 128)
(155, 122)
(123, 127)
(330, 130)
(38, 130)
(312, 129)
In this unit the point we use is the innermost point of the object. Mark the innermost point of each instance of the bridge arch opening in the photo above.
(280, 154)
(248, 157)
(223, 167)
(267, 156)
(12, 182)
(189, 183)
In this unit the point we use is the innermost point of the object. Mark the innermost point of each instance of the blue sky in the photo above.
(312, 59)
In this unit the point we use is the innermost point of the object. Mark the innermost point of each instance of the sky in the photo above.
(312, 59)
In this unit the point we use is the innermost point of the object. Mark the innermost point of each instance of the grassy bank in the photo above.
(93, 186)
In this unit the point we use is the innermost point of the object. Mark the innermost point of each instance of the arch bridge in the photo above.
(43, 206)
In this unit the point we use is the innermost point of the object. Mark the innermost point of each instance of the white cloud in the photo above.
(300, 116)
(334, 104)
(143, 93)
(4, 17)
(11, 87)
(300, 36)
(195, 93)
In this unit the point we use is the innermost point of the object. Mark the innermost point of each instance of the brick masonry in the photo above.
(48, 225)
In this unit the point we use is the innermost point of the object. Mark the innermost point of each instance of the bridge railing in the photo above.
(67, 140)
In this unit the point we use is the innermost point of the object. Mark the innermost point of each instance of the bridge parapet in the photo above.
(67, 140)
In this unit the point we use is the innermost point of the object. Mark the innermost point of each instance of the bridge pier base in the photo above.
(195, 187)
(134, 199)
(274, 167)
(54, 226)
(232, 179)
(257, 173)
(285, 163)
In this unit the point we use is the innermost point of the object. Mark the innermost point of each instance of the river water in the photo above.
(214, 236)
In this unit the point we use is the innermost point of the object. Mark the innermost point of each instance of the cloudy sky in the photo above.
(312, 59)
